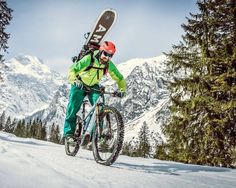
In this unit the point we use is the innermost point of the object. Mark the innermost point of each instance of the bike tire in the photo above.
(73, 150)
(115, 149)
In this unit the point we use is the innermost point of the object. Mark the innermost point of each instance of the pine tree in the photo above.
(161, 151)
(126, 149)
(130, 148)
(5, 17)
(33, 128)
(57, 135)
(20, 129)
(2, 120)
(9, 126)
(51, 134)
(43, 133)
(28, 129)
(39, 128)
(134, 150)
(54, 134)
(202, 128)
(144, 147)
(36, 129)
(12, 126)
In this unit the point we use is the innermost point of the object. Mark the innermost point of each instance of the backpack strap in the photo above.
(105, 69)
(92, 61)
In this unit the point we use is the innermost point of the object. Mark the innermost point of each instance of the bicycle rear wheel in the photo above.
(72, 150)
(108, 136)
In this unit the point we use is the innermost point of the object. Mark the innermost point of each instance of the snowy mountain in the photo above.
(56, 110)
(146, 99)
(147, 96)
(32, 163)
(26, 86)
(44, 93)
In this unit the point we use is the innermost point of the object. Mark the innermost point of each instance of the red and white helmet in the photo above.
(108, 47)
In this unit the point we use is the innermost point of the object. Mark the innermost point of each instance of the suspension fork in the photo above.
(99, 108)
(109, 123)
(81, 121)
(97, 118)
(80, 124)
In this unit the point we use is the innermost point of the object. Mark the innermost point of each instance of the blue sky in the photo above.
(53, 30)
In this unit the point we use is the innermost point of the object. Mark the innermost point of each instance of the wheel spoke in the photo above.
(108, 143)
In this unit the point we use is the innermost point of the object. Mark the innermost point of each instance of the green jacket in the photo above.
(93, 76)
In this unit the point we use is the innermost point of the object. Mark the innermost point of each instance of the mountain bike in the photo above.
(107, 132)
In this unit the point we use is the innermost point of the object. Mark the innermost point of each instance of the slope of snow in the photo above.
(32, 163)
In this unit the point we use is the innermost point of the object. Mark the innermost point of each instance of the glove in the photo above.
(119, 94)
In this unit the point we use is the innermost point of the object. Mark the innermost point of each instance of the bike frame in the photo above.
(94, 109)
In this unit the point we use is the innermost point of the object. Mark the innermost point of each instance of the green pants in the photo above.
(75, 101)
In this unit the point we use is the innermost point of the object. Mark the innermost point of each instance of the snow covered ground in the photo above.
(33, 163)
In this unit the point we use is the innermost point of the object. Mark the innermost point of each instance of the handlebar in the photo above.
(101, 90)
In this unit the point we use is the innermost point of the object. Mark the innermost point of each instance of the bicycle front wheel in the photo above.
(108, 136)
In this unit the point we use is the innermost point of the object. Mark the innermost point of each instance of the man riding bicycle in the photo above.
(88, 71)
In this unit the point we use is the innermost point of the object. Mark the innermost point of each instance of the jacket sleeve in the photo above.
(117, 76)
(78, 67)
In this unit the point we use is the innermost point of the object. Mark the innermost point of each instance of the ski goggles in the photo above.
(107, 54)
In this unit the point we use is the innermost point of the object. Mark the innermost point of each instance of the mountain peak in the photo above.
(128, 66)
(27, 59)
(28, 65)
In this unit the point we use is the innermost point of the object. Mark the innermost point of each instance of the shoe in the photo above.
(71, 141)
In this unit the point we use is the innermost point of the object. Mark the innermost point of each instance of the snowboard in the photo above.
(100, 29)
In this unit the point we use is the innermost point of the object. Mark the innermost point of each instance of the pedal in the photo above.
(85, 140)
